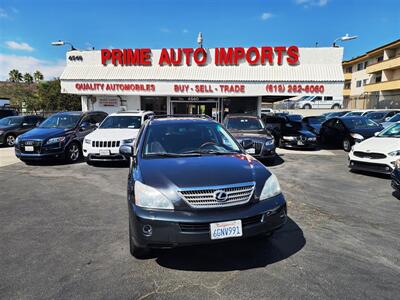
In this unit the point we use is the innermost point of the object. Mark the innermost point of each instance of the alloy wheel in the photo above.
(10, 140)
(74, 152)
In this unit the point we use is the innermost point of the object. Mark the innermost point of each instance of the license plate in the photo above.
(300, 143)
(29, 148)
(104, 152)
(251, 151)
(225, 230)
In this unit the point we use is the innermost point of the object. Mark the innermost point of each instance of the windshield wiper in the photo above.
(215, 152)
(165, 154)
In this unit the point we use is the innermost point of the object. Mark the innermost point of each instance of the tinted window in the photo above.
(11, 121)
(395, 118)
(186, 138)
(315, 120)
(376, 115)
(61, 121)
(244, 124)
(294, 118)
(122, 122)
(98, 118)
(361, 122)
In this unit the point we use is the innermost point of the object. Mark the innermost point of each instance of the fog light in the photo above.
(147, 230)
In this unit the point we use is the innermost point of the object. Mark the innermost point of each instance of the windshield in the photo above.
(11, 121)
(336, 114)
(184, 139)
(133, 122)
(61, 121)
(247, 124)
(392, 131)
(354, 113)
(395, 118)
(376, 115)
(355, 123)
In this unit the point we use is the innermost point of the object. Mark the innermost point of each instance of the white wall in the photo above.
(110, 104)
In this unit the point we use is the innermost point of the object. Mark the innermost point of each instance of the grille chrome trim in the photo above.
(203, 197)
(105, 144)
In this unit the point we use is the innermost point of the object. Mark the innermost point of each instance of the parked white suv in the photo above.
(327, 102)
(115, 130)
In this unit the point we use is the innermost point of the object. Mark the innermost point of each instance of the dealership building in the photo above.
(214, 81)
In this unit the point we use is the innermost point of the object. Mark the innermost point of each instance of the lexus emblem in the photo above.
(220, 196)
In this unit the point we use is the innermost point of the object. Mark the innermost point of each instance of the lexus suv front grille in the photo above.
(218, 196)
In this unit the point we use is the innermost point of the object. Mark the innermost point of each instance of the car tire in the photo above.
(73, 152)
(307, 106)
(347, 144)
(336, 106)
(137, 252)
(10, 140)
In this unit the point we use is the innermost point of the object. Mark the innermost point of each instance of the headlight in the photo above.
(395, 153)
(271, 188)
(87, 141)
(289, 138)
(16, 140)
(146, 196)
(269, 142)
(128, 141)
(357, 136)
(56, 140)
(312, 139)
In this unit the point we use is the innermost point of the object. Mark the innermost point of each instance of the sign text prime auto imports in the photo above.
(223, 56)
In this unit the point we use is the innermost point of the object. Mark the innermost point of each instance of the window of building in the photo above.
(358, 83)
(380, 58)
(156, 104)
(378, 78)
(359, 66)
(365, 64)
(364, 82)
(347, 85)
(349, 69)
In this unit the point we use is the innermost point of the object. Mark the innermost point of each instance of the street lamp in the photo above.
(200, 40)
(345, 38)
(62, 43)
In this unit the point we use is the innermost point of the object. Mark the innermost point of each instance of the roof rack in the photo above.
(201, 116)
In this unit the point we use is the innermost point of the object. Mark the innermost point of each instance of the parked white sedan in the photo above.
(117, 129)
(377, 154)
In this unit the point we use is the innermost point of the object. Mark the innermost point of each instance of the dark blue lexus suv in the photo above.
(191, 182)
(59, 136)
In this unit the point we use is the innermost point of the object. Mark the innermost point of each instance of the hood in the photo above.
(171, 173)
(43, 133)
(367, 132)
(251, 135)
(113, 134)
(379, 144)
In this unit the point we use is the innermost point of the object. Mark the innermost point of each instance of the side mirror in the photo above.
(84, 126)
(376, 133)
(126, 150)
(25, 124)
(387, 119)
(97, 125)
(247, 144)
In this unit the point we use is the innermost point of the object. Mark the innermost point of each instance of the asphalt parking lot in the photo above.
(64, 234)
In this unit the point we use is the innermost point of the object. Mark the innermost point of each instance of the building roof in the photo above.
(316, 64)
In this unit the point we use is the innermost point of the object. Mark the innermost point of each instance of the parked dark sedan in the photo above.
(190, 182)
(7, 112)
(11, 127)
(59, 136)
(346, 131)
(290, 132)
(251, 132)
(382, 115)
(314, 123)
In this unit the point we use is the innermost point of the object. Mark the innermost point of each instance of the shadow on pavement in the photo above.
(371, 174)
(272, 162)
(243, 254)
(110, 164)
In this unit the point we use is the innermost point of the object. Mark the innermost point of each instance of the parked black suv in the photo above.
(59, 136)
(191, 182)
(11, 127)
(251, 132)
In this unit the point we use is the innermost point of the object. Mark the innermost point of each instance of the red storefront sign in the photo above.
(222, 56)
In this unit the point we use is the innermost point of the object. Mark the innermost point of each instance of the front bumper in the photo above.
(267, 151)
(93, 153)
(178, 228)
(381, 166)
(298, 143)
(41, 152)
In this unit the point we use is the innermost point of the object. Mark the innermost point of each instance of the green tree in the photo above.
(28, 78)
(38, 76)
(49, 93)
(15, 75)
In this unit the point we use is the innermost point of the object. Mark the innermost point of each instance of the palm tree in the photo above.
(15, 76)
(38, 76)
(28, 78)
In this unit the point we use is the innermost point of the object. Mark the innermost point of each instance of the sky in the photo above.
(27, 27)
